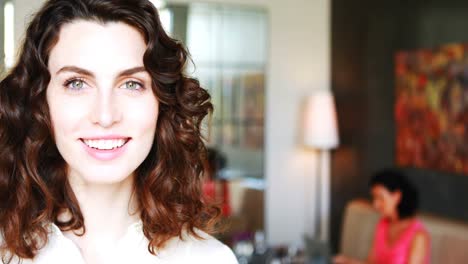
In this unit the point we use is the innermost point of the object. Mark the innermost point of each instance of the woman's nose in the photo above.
(105, 111)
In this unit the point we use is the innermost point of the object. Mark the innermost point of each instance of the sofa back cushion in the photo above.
(358, 229)
(449, 239)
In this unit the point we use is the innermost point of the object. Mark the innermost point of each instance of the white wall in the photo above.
(24, 10)
(299, 62)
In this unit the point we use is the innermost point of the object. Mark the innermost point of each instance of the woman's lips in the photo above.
(105, 149)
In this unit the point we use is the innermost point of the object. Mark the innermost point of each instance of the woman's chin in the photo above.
(99, 177)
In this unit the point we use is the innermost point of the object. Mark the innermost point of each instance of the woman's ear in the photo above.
(397, 196)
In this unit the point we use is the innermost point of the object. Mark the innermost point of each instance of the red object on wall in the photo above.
(226, 205)
(217, 191)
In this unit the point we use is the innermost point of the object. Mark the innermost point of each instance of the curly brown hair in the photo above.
(34, 187)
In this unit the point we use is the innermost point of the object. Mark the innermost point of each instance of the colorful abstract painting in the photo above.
(431, 108)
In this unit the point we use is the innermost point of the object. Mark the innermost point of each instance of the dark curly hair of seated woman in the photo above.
(394, 180)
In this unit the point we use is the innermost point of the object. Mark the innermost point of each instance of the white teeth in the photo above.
(105, 144)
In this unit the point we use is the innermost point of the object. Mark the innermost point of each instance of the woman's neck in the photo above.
(394, 217)
(395, 220)
(108, 211)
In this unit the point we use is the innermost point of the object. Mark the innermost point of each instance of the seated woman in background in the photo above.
(399, 236)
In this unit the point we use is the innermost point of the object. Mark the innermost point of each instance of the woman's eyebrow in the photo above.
(76, 70)
(132, 71)
(90, 74)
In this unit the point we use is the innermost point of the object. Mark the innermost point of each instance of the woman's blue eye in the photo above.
(75, 84)
(132, 85)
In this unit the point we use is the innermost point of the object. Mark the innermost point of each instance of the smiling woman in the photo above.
(101, 154)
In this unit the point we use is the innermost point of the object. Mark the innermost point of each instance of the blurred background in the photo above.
(261, 60)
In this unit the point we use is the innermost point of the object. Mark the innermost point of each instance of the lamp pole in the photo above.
(321, 133)
(324, 169)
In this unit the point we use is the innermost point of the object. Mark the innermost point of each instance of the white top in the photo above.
(133, 248)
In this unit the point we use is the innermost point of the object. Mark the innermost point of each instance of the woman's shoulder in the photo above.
(420, 230)
(202, 249)
(419, 223)
(417, 227)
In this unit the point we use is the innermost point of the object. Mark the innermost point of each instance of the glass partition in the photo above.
(228, 45)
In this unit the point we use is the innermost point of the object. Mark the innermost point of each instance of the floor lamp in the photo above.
(321, 133)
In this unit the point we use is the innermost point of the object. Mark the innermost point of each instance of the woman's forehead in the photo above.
(98, 47)
(378, 188)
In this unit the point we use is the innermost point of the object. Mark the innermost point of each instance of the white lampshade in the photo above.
(320, 127)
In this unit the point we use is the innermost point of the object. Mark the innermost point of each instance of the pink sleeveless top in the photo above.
(398, 252)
